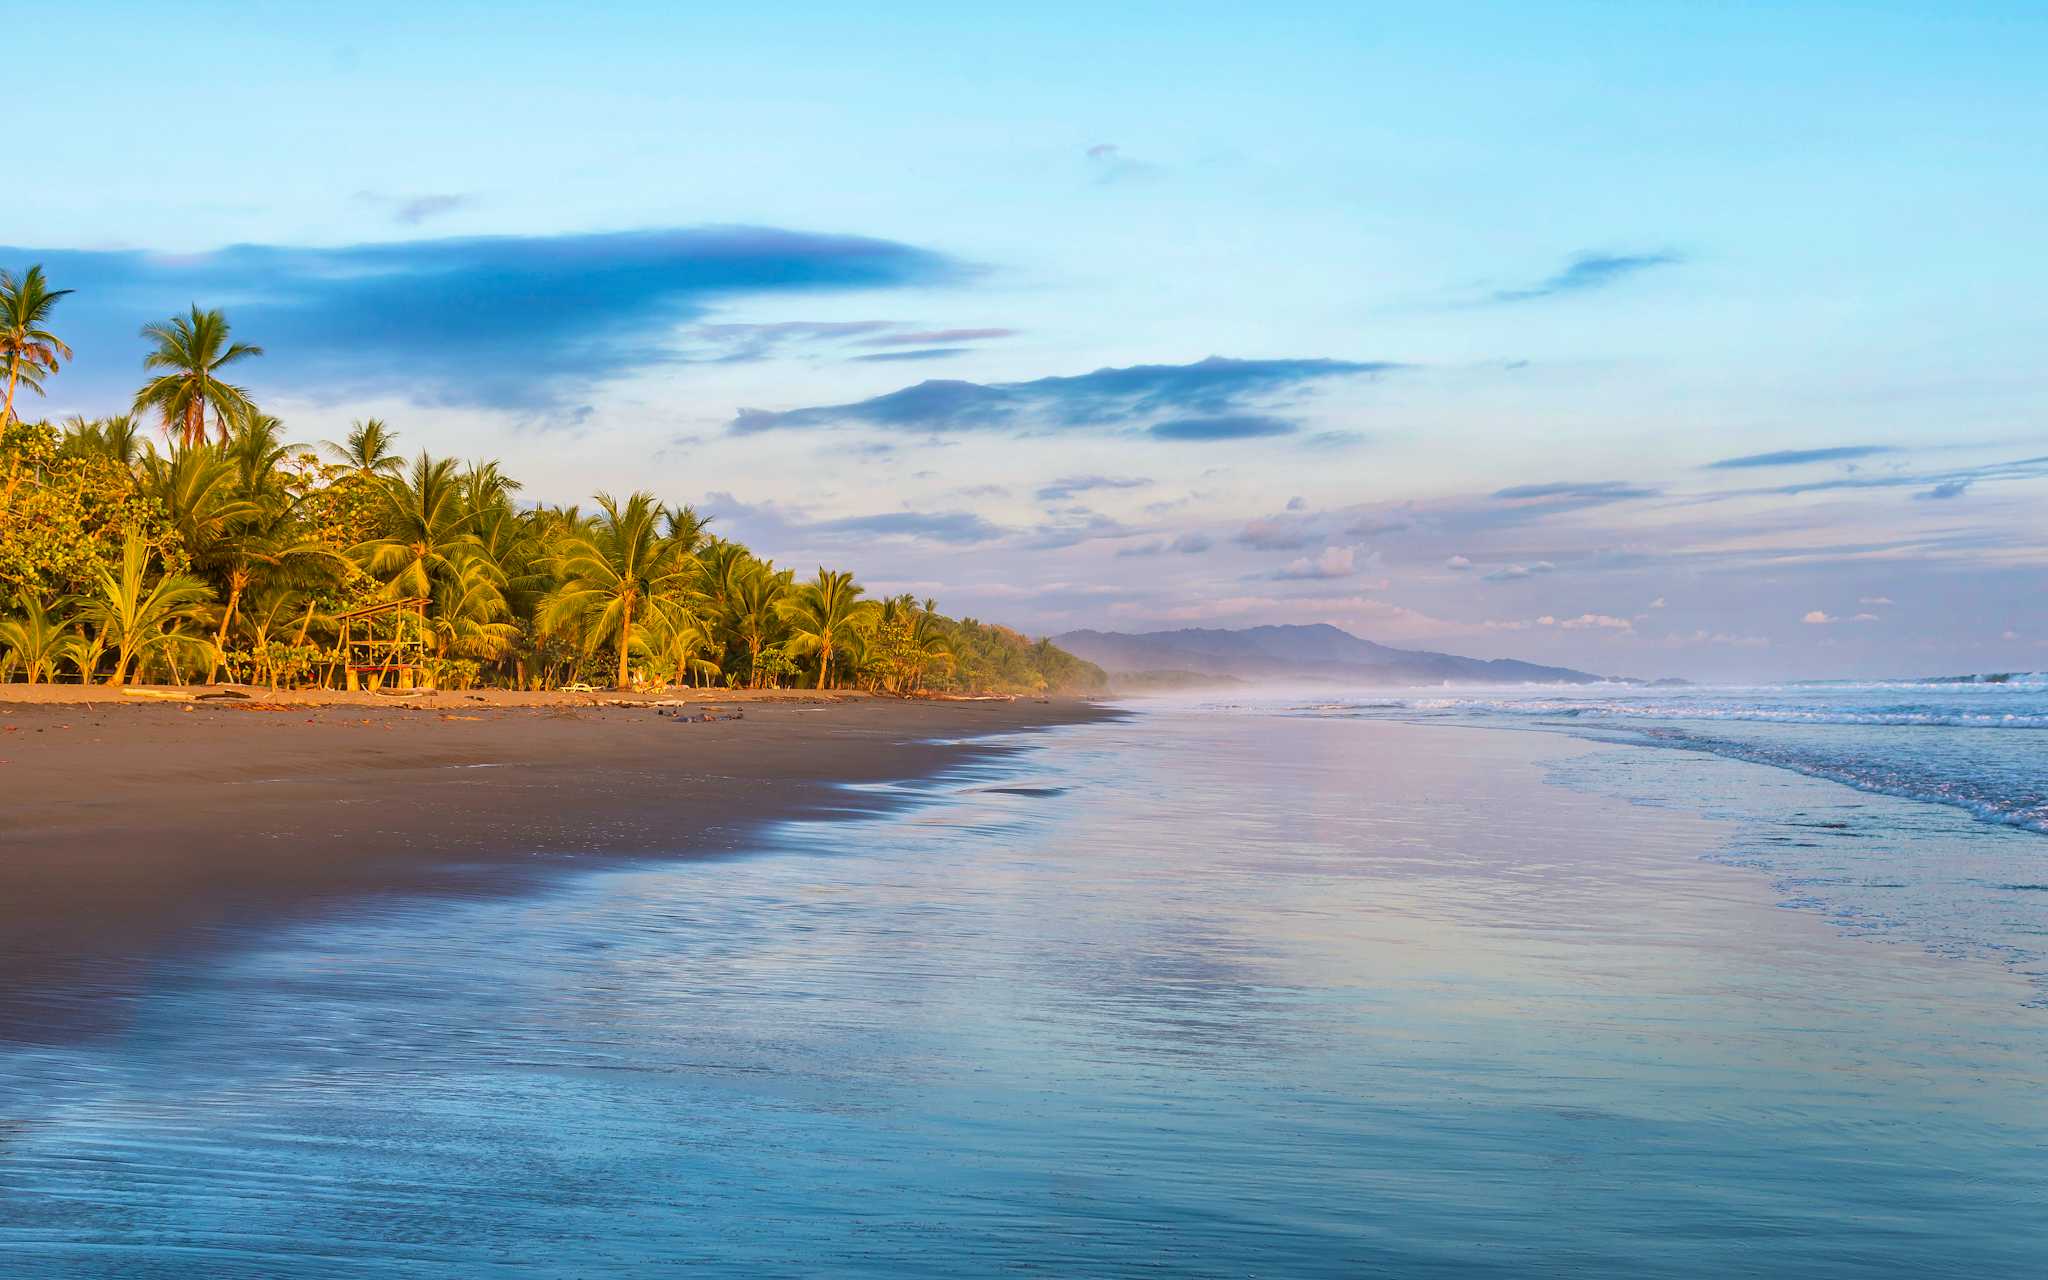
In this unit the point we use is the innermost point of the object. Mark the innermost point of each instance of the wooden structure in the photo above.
(386, 640)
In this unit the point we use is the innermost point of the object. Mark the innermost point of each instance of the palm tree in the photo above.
(426, 530)
(368, 449)
(193, 349)
(468, 613)
(674, 639)
(267, 542)
(754, 591)
(199, 491)
(35, 639)
(114, 438)
(29, 350)
(620, 575)
(134, 616)
(822, 616)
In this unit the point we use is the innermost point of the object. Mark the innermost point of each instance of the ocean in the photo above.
(1597, 982)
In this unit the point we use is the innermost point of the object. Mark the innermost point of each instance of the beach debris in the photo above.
(224, 695)
(706, 716)
(158, 695)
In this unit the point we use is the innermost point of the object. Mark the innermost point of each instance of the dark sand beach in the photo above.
(138, 830)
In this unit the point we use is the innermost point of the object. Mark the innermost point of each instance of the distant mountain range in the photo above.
(1320, 653)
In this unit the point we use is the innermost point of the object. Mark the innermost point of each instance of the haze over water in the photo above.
(1267, 988)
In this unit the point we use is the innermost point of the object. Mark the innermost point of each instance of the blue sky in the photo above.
(1654, 339)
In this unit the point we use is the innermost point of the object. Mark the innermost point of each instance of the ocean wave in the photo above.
(1988, 799)
(1902, 716)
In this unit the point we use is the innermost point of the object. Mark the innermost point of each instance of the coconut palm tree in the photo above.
(27, 348)
(192, 350)
(134, 616)
(674, 640)
(115, 438)
(620, 576)
(754, 592)
(426, 529)
(822, 616)
(469, 613)
(199, 491)
(368, 449)
(34, 639)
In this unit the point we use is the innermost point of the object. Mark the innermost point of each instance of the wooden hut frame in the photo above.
(368, 658)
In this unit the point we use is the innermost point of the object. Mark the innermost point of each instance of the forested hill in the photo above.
(1321, 652)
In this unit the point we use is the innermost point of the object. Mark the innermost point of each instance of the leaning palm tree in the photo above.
(34, 639)
(28, 349)
(135, 617)
(368, 449)
(192, 350)
(618, 577)
(822, 617)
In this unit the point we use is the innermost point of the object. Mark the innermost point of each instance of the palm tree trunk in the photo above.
(824, 663)
(623, 679)
(13, 376)
(227, 618)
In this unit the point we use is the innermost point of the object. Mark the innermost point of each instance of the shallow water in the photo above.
(1195, 993)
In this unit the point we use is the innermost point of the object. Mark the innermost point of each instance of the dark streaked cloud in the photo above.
(1579, 490)
(1801, 457)
(2035, 468)
(926, 353)
(938, 337)
(1946, 489)
(1235, 426)
(1586, 272)
(1206, 400)
(519, 322)
(1067, 486)
(743, 343)
(410, 211)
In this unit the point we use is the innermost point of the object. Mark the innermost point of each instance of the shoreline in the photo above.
(142, 834)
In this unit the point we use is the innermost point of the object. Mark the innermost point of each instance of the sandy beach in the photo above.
(139, 828)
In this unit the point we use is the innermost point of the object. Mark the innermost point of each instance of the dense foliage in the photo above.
(229, 551)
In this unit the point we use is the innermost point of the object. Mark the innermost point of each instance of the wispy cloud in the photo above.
(1334, 562)
(1802, 457)
(520, 322)
(1587, 272)
(775, 527)
(1108, 163)
(410, 211)
(1516, 572)
(1206, 400)
(1067, 486)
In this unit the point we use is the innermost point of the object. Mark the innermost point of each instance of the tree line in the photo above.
(231, 552)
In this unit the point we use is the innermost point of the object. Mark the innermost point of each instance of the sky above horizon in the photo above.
(1660, 339)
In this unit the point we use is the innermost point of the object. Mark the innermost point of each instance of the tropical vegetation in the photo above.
(227, 551)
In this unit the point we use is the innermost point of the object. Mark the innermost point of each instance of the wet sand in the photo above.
(138, 832)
